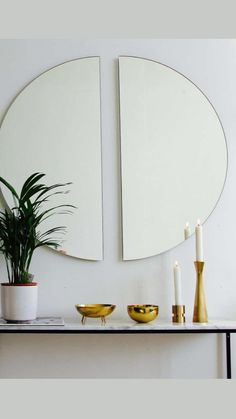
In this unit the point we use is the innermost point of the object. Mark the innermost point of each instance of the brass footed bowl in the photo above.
(95, 310)
(143, 313)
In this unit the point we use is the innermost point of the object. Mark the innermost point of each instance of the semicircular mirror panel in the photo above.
(53, 127)
(173, 156)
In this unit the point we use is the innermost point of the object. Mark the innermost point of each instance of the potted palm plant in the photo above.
(20, 237)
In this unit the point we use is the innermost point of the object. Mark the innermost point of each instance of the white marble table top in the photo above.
(95, 326)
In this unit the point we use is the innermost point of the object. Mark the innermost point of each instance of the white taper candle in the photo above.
(177, 284)
(199, 245)
(187, 231)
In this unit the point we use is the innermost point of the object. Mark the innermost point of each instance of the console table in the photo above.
(93, 326)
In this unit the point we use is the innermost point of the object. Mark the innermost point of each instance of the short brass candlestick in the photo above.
(178, 314)
(200, 310)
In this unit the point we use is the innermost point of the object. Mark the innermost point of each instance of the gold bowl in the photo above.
(95, 310)
(143, 313)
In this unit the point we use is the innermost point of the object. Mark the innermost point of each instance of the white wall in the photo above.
(64, 281)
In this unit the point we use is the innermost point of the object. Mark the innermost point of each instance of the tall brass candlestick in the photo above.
(200, 310)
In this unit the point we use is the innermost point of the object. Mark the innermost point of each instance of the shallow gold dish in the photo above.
(143, 313)
(95, 310)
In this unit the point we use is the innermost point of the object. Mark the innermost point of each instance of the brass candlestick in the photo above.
(200, 310)
(178, 314)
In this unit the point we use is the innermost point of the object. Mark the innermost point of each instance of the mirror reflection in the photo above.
(53, 127)
(173, 156)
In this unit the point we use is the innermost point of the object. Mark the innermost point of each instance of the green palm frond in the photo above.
(11, 189)
(19, 225)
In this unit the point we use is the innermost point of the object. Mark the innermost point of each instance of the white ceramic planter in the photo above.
(19, 302)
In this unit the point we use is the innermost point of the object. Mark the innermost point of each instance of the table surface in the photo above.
(126, 326)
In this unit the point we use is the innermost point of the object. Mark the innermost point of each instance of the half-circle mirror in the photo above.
(173, 156)
(53, 127)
